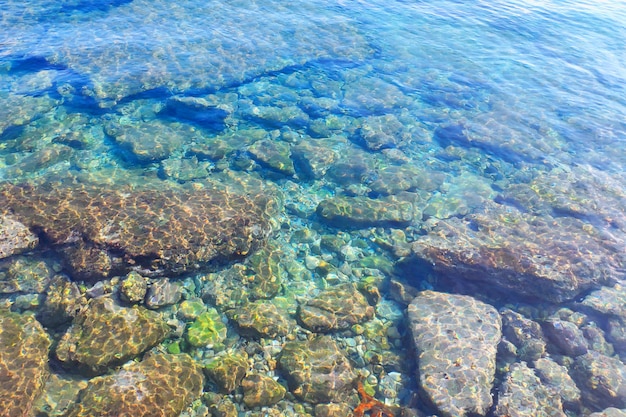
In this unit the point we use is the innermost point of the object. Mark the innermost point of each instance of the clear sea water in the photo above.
(484, 93)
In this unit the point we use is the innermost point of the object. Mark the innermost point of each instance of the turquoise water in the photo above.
(492, 124)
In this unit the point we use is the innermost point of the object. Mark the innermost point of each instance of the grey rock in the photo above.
(525, 334)
(602, 380)
(163, 293)
(523, 395)
(566, 337)
(609, 412)
(15, 237)
(456, 338)
(558, 379)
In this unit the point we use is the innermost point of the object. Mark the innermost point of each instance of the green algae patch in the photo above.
(207, 330)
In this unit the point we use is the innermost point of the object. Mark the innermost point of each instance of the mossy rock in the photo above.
(261, 391)
(207, 330)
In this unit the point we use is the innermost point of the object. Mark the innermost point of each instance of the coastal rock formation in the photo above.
(23, 363)
(456, 338)
(156, 228)
(105, 334)
(163, 384)
(550, 259)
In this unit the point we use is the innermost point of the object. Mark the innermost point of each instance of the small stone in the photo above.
(261, 391)
(163, 293)
(332, 410)
(524, 333)
(134, 288)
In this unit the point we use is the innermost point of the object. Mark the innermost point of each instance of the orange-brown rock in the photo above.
(156, 228)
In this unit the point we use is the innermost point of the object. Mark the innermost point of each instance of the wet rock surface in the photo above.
(602, 380)
(525, 334)
(557, 378)
(261, 391)
(105, 334)
(514, 251)
(523, 394)
(261, 319)
(336, 308)
(167, 383)
(317, 371)
(62, 302)
(358, 212)
(227, 371)
(456, 338)
(15, 237)
(158, 228)
(23, 362)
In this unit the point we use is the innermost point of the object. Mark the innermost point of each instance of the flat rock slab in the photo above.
(157, 228)
(554, 259)
(160, 385)
(105, 334)
(23, 363)
(456, 337)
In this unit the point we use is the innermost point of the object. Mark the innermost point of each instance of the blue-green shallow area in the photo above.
(431, 195)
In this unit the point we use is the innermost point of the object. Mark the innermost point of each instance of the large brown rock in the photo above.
(23, 363)
(161, 385)
(157, 228)
(15, 237)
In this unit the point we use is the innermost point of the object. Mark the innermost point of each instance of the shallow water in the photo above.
(504, 122)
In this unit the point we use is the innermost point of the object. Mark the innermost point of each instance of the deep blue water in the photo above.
(486, 93)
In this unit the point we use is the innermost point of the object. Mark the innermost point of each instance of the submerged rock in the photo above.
(105, 334)
(546, 258)
(317, 371)
(523, 395)
(26, 275)
(525, 334)
(260, 319)
(456, 338)
(602, 380)
(557, 378)
(206, 330)
(336, 308)
(359, 212)
(261, 391)
(227, 371)
(156, 228)
(609, 412)
(273, 155)
(62, 302)
(161, 384)
(15, 237)
(23, 363)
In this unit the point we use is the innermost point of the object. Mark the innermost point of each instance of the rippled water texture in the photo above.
(391, 208)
